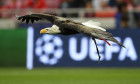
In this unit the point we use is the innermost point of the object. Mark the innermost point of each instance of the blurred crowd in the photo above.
(20, 4)
(126, 12)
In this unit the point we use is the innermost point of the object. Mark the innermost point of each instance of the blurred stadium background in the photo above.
(21, 59)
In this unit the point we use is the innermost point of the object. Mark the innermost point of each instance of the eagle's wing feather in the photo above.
(28, 18)
(92, 24)
(39, 16)
(36, 17)
(48, 17)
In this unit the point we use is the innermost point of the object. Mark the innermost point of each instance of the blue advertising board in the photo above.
(78, 50)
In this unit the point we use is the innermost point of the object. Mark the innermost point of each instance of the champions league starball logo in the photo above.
(49, 49)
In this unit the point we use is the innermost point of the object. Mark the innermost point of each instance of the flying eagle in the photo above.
(68, 27)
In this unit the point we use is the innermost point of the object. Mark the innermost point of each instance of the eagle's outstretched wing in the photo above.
(51, 18)
(36, 17)
(28, 18)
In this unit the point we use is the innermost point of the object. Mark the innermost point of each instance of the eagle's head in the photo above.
(51, 30)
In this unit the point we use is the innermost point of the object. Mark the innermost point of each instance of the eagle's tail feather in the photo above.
(114, 40)
(109, 36)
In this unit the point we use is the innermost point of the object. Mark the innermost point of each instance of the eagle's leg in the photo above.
(106, 42)
(96, 48)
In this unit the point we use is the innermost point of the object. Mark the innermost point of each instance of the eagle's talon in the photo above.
(99, 59)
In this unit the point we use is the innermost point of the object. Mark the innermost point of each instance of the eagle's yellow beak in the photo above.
(43, 31)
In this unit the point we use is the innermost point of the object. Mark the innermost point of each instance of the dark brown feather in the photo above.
(32, 20)
(27, 20)
(23, 19)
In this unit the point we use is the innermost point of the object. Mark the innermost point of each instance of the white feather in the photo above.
(53, 30)
(92, 24)
(55, 27)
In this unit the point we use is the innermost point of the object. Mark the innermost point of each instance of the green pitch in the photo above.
(70, 76)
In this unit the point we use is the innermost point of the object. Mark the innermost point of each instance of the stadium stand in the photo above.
(125, 13)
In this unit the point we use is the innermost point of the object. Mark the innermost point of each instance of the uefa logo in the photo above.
(49, 49)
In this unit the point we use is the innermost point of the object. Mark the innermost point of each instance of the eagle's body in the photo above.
(67, 27)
